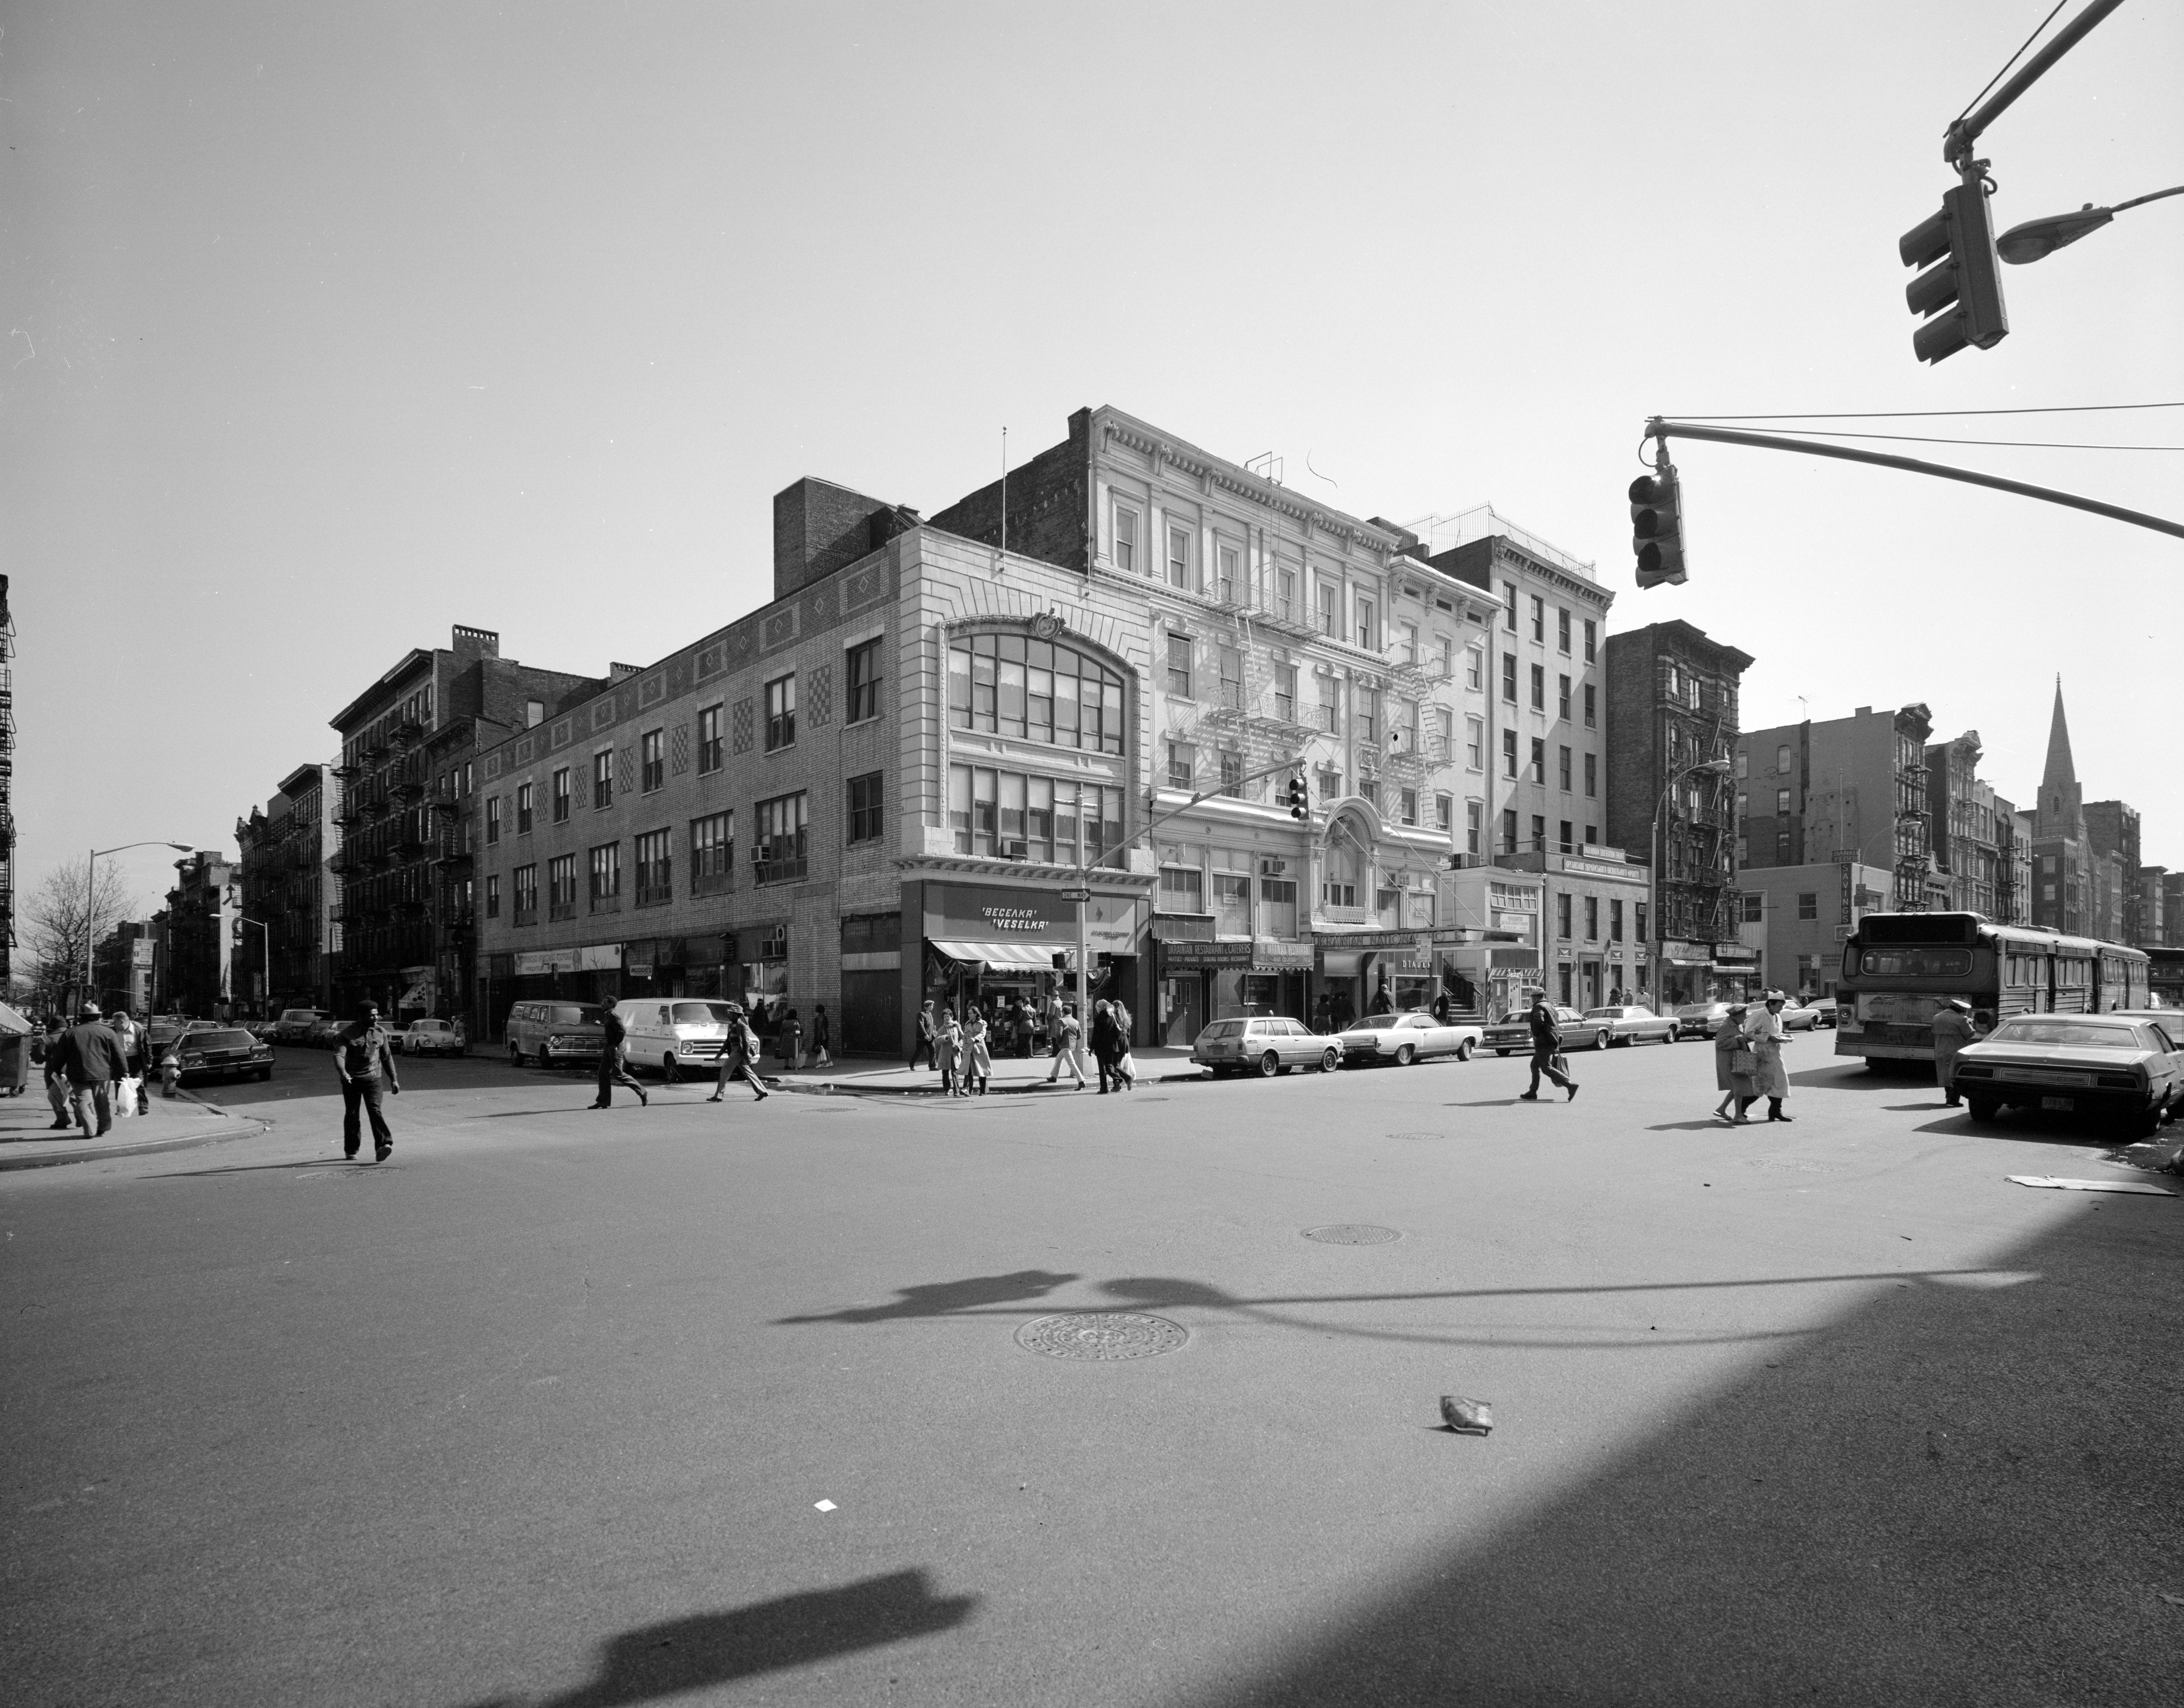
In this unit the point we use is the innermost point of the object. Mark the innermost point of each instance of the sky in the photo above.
(330, 326)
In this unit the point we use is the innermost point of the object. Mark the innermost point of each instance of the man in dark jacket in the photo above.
(47, 1053)
(95, 1063)
(1546, 1039)
(365, 1067)
(1107, 1046)
(614, 1035)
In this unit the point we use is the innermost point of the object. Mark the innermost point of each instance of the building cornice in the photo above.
(1031, 874)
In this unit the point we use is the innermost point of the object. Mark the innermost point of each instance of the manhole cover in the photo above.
(1101, 1336)
(1351, 1234)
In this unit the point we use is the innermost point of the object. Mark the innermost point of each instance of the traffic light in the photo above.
(1956, 248)
(1299, 800)
(1657, 526)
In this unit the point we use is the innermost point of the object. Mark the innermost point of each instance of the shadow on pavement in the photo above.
(1852, 1076)
(676, 1655)
(1963, 1493)
(948, 1299)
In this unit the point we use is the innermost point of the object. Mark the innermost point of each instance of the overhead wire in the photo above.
(2018, 444)
(2013, 59)
(1910, 415)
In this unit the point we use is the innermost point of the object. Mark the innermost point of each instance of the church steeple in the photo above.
(2059, 810)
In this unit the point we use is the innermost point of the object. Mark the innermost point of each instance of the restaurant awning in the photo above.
(1017, 954)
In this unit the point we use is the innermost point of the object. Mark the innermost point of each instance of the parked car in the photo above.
(219, 1053)
(1403, 1038)
(260, 1029)
(1514, 1034)
(294, 1025)
(2121, 1066)
(674, 1033)
(554, 1034)
(1701, 1019)
(428, 1038)
(161, 1030)
(1796, 1018)
(323, 1032)
(1823, 1012)
(1264, 1044)
(1632, 1025)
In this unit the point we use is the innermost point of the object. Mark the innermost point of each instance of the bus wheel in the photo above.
(1981, 1109)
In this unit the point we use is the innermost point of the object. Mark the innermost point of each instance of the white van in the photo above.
(671, 1033)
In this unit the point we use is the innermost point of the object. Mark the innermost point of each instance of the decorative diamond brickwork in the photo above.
(678, 750)
(626, 769)
(819, 696)
(739, 726)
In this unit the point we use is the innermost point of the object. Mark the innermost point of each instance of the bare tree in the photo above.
(64, 918)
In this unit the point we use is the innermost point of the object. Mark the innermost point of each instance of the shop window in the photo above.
(1277, 908)
(1181, 889)
(1232, 904)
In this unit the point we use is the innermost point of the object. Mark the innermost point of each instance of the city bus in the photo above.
(1900, 969)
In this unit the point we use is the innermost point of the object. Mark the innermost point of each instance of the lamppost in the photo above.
(1706, 768)
(91, 898)
(2036, 239)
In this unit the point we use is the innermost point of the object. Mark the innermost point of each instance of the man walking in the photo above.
(822, 1038)
(1952, 1031)
(365, 1067)
(1107, 1047)
(739, 1060)
(95, 1064)
(48, 1051)
(1067, 1034)
(1546, 1039)
(613, 1070)
(926, 1026)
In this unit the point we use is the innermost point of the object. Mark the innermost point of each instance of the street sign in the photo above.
(1076, 895)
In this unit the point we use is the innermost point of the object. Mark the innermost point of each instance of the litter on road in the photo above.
(823, 1505)
(2062, 1185)
(1467, 1416)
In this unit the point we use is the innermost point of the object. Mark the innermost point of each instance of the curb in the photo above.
(250, 1126)
(832, 1088)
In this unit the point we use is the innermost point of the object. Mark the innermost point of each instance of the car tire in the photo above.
(1329, 1060)
(1981, 1109)
(1600, 1041)
(1405, 1055)
(1269, 1065)
(515, 1057)
(670, 1072)
(1500, 1053)
(1463, 1051)
(264, 1074)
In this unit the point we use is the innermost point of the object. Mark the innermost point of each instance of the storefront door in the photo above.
(1183, 1009)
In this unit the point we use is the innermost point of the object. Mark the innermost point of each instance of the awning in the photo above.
(1018, 954)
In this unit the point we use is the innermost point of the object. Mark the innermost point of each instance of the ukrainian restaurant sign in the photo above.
(990, 913)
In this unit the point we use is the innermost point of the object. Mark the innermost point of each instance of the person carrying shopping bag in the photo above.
(1767, 1036)
(947, 1054)
(822, 1038)
(1733, 1067)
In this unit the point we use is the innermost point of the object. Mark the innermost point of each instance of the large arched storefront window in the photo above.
(1015, 684)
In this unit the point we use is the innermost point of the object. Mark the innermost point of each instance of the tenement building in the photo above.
(283, 952)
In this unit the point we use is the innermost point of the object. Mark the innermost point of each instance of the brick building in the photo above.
(283, 847)
(196, 938)
(1965, 833)
(121, 968)
(2112, 833)
(1672, 719)
(1797, 918)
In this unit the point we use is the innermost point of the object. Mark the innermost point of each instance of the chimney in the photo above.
(818, 527)
(476, 643)
(622, 673)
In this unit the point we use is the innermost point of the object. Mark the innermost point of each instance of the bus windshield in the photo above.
(1915, 963)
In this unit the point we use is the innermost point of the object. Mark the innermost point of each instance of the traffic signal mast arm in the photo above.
(1658, 428)
(1206, 794)
(1957, 140)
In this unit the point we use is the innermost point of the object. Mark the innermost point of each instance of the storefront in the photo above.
(1358, 972)
(1205, 979)
(1696, 972)
(680, 967)
(996, 945)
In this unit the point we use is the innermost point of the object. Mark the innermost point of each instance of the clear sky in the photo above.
(330, 325)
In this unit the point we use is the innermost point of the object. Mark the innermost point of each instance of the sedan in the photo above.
(1264, 1044)
(1701, 1019)
(2116, 1065)
(219, 1053)
(1514, 1034)
(1823, 1012)
(1630, 1024)
(1796, 1018)
(1403, 1038)
(428, 1038)
(324, 1032)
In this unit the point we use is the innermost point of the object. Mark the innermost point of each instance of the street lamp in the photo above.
(91, 898)
(2037, 238)
(1705, 767)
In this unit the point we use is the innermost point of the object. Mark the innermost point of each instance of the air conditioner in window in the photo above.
(762, 853)
(1273, 868)
(1015, 850)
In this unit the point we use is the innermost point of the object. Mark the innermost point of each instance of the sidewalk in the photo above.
(27, 1140)
(877, 1076)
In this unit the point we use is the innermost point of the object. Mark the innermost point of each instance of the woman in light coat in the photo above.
(977, 1055)
(1765, 1033)
(1728, 1043)
(947, 1056)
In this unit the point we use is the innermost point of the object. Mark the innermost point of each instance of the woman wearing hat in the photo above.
(1766, 1034)
(1733, 1067)
(1952, 1031)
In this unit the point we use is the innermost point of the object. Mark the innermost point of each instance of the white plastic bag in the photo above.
(124, 1097)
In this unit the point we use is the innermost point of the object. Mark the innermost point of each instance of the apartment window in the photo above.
(1782, 760)
(1563, 915)
(1592, 918)
(1406, 806)
(1444, 736)
(1232, 679)
(1474, 668)
(1330, 784)
(557, 795)
(606, 878)
(1178, 559)
(1593, 834)
(1410, 643)
(1037, 691)
(523, 884)
(1182, 890)
(1743, 760)
(561, 887)
(1508, 753)
(1232, 772)
(1592, 776)
(655, 869)
(1182, 767)
(1329, 704)
(1509, 605)
(1126, 539)
(709, 739)
(865, 807)
(861, 672)
(1563, 768)
(1589, 633)
(712, 853)
(1474, 742)
(1369, 626)
(534, 713)
(778, 826)
(1509, 830)
(492, 818)
(1179, 665)
(1366, 709)
(1743, 806)
(1589, 719)
(1285, 588)
(493, 894)
(1562, 843)
(1539, 835)
(1614, 921)
(1538, 766)
(1562, 698)
(1368, 790)
(1539, 688)
(1754, 909)
(1808, 904)
(1330, 622)
(523, 809)
(1472, 811)
(1782, 803)
(1228, 562)
(1782, 847)
(2046, 892)
(780, 712)
(1444, 811)
(1286, 687)
(1509, 677)
(652, 760)
(1562, 630)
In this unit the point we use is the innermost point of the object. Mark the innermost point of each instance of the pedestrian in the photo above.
(739, 1058)
(1125, 1066)
(1026, 1024)
(93, 1064)
(927, 1028)
(1107, 1046)
(1732, 1068)
(1382, 1003)
(1547, 1040)
(1068, 1034)
(788, 1040)
(366, 1067)
(1440, 1007)
(822, 1038)
(1767, 1035)
(130, 1036)
(1952, 1031)
(978, 1054)
(614, 1069)
(1322, 1013)
(47, 1053)
(947, 1054)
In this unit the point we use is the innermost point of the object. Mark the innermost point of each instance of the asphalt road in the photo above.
(542, 1410)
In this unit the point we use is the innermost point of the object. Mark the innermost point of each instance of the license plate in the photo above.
(2066, 1104)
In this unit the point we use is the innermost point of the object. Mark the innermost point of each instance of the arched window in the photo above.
(1035, 690)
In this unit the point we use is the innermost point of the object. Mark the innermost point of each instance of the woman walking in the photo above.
(1765, 1033)
(977, 1055)
(739, 1059)
(789, 1043)
(1732, 1068)
(948, 1053)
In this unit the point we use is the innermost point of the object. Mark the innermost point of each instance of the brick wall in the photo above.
(1634, 779)
(1047, 501)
